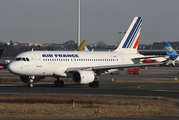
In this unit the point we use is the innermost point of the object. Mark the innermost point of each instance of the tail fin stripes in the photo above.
(131, 38)
(133, 33)
(136, 43)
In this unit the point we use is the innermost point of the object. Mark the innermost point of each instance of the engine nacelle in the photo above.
(83, 77)
(25, 79)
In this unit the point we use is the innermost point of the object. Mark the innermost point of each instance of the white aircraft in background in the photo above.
(82, 66)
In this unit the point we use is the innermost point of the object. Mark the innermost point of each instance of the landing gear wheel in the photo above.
(91, 85)
(58, 83)
(94, 84)
(30, 85)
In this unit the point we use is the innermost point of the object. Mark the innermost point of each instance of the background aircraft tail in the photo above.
(1, 51)
(130, 41)
(82, 46)
(170, 51)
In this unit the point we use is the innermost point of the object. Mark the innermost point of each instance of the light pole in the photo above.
(78, 24)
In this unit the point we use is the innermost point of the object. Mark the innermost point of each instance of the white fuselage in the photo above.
(55, 63)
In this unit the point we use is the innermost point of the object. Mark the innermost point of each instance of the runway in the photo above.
(168, 90)
(158, 89)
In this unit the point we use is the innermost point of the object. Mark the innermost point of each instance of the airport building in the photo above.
(157, 48)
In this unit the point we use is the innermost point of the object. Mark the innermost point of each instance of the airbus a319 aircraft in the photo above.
(82, 66)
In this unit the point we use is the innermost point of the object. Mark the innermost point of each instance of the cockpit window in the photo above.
(18, 59)
(22, 59)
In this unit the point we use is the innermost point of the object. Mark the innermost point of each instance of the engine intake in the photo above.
(83, 77)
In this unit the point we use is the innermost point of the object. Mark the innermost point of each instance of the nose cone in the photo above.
(12, 68)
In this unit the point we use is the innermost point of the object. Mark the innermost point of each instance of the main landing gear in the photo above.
(94, 84)
(58, 83)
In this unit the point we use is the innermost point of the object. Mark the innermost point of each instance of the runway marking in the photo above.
(139, 87)
(165, 90)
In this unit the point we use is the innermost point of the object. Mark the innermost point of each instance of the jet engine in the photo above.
(25, 79)
(83, 77)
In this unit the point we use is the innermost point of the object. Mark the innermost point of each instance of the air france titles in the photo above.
(59, 55)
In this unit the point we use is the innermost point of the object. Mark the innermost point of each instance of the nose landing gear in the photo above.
(31, 80)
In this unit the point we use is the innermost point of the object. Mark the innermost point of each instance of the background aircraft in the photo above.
(3, 65)
(173, 55)
(1, 51)
(82, 46)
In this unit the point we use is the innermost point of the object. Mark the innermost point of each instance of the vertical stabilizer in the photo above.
(170, 51)
(1, 51)
(82, 46)
(130, 41)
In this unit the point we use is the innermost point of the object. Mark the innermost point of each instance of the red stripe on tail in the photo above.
(136, 43)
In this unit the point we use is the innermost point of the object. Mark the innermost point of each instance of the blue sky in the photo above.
(55, 21)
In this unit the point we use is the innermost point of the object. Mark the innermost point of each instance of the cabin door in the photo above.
(38, 60)
(121, 59)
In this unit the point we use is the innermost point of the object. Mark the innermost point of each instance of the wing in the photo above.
(144, 57)
(101, 69)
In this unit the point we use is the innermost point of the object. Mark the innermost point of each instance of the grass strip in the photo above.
(19, 106)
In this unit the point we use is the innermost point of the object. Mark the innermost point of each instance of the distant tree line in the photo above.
(12, 50)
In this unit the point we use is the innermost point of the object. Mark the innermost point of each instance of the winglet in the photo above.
(130, 41)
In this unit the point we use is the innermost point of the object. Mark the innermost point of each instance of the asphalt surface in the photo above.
(169, 90)
(157, 89)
